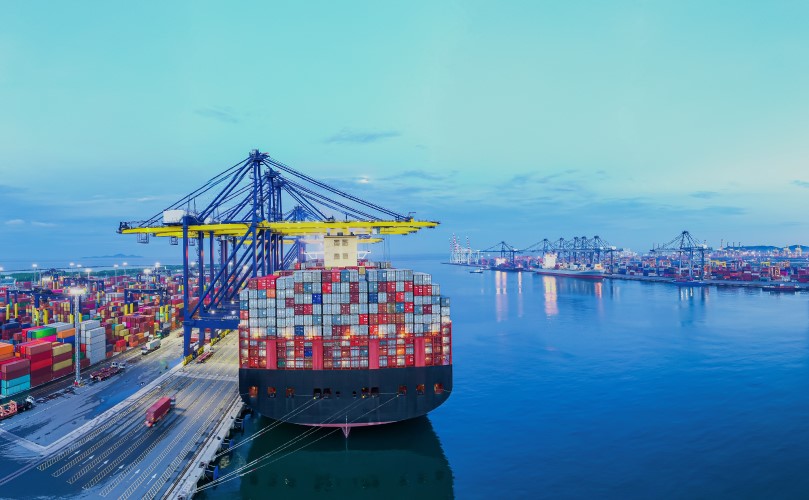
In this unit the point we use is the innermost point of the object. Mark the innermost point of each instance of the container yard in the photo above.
(93, 438)
(39, 341)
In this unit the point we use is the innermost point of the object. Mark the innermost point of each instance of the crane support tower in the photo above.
(239, 212)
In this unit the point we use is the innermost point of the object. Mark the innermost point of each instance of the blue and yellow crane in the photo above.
(239, 212)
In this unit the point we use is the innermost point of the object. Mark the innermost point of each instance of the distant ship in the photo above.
(688, 282)
(594, 272)
(780, 287)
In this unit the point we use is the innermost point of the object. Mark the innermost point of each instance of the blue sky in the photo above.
(504, 120)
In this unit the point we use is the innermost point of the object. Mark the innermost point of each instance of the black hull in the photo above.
(383, 401)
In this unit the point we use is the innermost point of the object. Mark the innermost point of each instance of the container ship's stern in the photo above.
(344, 347)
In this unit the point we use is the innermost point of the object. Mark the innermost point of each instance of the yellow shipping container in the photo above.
(62, 349)
(62, 365)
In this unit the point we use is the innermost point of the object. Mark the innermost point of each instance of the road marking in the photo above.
(90, 458)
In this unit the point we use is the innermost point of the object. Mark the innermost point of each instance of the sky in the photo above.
(515, 121)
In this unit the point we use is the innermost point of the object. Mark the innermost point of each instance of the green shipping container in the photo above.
(44, 332)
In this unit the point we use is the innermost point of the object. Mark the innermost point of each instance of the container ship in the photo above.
(590, 274)
(344, 346)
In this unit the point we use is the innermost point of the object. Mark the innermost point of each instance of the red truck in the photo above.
(157, 411)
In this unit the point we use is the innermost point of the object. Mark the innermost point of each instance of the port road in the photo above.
(95, 442)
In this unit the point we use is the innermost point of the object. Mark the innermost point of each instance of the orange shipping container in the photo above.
(70, 332)
(6, 348)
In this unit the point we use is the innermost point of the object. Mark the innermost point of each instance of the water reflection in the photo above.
(402, 460)
(551, 306)
(692, 304)
(690, 294)
(520, 304)
(500, 299)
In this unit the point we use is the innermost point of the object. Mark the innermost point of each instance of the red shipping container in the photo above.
(63, 372)
(43, 364)
(62, 357)
(41, 356)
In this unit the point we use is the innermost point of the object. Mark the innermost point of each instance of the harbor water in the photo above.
(568, 388)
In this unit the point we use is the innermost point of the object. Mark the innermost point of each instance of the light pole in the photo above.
(35, 271)
(115, 266)
(125, 268)
(77, 292)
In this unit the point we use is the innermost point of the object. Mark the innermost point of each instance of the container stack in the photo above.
(62, 359)
(40, 355)
(93, 341)
(354, 318)
(14, 376)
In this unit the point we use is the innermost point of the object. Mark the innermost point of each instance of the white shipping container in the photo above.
(89, 325)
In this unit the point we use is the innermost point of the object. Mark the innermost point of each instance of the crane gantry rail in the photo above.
(239, 212)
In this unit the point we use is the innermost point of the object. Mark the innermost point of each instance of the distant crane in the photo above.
(505, 251)
(683, 244)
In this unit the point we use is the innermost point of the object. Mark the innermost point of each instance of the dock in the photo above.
(95, 442)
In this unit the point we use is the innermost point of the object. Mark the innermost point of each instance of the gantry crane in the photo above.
(579, 250)
(240, 213)
(682, 244)
(506, 251)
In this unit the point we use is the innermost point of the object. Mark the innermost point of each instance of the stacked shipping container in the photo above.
(356, 318)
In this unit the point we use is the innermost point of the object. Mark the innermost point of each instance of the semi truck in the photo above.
(158, 410)
(150, 346)
(105, 373)
(12, 408)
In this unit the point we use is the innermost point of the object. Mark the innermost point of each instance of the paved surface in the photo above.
(95, 443)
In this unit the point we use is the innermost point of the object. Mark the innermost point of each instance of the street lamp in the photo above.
(35, 271)
(77, 292)
(115, 266)
(125, 264)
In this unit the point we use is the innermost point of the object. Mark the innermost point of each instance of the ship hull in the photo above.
(564, 273)
(382, 400)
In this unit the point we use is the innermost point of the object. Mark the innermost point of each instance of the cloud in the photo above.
(145, 198)
(422, 175)
(15, 222)
(220, 114)
(799, 183)
(349, 136)
(42, 224)
(704, 195)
